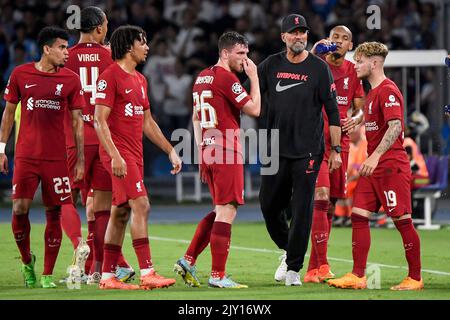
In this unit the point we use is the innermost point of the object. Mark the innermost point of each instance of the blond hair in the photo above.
(371, 49)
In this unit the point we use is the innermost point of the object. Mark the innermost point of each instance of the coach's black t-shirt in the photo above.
(293, 95)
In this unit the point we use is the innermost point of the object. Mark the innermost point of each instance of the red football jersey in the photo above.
(126, 95)
(88, 60)
(384, 103)
(218, 99)
(44, 97)
(348, 87)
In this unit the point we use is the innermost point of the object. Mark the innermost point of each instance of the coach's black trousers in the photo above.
(295, 182)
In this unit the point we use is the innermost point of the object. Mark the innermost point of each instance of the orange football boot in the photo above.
(114, 283)
(311, 276)
(153, 280)
(349, 281)
(325, 273)
(408, 284)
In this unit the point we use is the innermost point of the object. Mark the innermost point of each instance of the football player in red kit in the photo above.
(385, 174)
(331, 186)
(89, 58)
(219, 99)
(122, 113)
(45, 90)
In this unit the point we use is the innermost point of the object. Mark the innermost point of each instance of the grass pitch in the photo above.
(252, 260)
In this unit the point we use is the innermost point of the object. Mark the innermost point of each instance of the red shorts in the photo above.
(336, 181)
(226, 181)
(129, 188)
(54, 178)
(390, 190)
(95, 175)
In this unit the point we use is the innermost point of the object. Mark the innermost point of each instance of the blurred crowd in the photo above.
(183, 36)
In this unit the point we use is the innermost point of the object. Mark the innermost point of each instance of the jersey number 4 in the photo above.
(92, 88)
(208, 116)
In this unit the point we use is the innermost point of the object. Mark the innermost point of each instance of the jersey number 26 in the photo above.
(208, 117)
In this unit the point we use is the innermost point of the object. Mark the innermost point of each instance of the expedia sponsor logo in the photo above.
(205, 79)
(392, 102)
(43, 104)
(371, 126)
(88, 118)
(342, 100)
(209, 141)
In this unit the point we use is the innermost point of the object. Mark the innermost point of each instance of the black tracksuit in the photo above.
(293, 96)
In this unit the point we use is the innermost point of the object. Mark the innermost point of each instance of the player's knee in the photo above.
(20, 207)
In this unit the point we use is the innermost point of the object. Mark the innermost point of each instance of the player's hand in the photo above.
(324, 41)
(176, 162)
(119, 167)
(79, 171)
(335, 161)
(250, 68)
(4, 168)
(349, 125)
(369, 166)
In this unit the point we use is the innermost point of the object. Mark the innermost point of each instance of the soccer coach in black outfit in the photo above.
(295, 85)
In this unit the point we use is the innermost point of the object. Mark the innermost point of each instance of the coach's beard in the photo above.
(298, 47)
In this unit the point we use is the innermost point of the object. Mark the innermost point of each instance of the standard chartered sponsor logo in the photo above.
(342, 100)
(131, 110)
(371, 126)
(43, 104)
(128, 110)
(30, 103)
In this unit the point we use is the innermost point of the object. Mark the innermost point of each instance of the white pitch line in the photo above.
(329, 258)
(442, 273)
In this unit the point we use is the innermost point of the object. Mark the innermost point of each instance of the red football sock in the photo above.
(71, 223)
(220, 245)
(101, 223)
(111, 255)
(122, 262)
(319, 232)
(330, 214)
(21, 230)
(411, 243)
(90, 243)
(360, 243)
(142, 249)
(53, 237)
(201, 238)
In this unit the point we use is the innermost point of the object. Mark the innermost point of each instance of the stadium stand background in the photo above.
(183, 40)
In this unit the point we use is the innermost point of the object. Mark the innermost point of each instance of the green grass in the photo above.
(254, 268)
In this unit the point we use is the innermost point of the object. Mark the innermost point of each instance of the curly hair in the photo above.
(371, 49)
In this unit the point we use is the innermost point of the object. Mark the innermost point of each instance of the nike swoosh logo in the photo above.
(319, 241)
(391, 209)
(64, 198)
(128, 91)
(280, 88)
(29, 85)
(309, 171)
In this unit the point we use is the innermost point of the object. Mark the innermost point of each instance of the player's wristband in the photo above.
(2, 147)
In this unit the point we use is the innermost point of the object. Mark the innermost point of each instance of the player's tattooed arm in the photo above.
(78, 134)
(392, 133)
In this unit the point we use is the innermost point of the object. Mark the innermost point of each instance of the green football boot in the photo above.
(47, 282)
(29, 276)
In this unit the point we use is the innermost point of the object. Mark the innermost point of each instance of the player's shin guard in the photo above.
(360, 243)
(53, 236)
(220, 245)
(201, 238)
(21, 230)
(411, 243)
(71, 223)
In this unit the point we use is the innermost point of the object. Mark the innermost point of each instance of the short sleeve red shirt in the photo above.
(126, 95)
(218, 99)
(44, 99)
